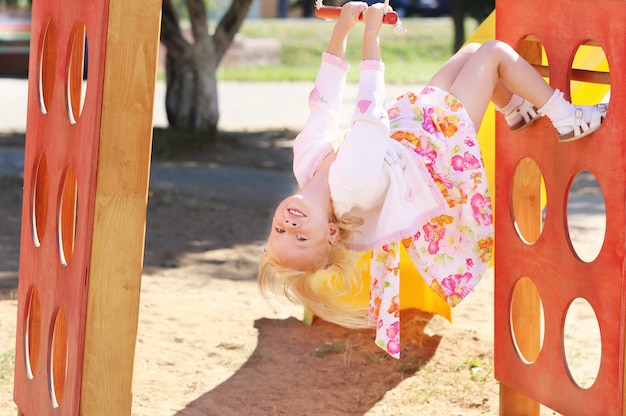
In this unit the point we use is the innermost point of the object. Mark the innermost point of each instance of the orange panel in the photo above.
(62, 139)
(561, 26)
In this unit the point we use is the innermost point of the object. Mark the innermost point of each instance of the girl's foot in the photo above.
(518, 113)
(521, 117)
(584, 121)
(573, 122)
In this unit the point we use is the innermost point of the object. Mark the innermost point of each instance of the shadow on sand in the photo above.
(342, 368)
(11, 214)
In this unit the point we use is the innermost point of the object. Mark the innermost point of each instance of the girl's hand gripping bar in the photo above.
(333, 12)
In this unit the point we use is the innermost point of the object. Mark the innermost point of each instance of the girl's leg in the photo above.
(447, 74)
(479, 80)
(501, 96)
(494, 70)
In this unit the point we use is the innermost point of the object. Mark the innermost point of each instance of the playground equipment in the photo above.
(87, 156)
(86, 173)
(537, 268)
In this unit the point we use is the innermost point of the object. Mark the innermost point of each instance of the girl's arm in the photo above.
(321, 129)
(349, 16)
(373, 20)
(358, 173)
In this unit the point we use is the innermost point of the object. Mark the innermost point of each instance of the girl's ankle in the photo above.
(514, 103)
(519, 113)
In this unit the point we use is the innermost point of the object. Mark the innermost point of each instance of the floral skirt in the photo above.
(453, 250)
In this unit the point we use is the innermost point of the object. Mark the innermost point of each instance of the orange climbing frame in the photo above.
(558, 275)
(89, 128)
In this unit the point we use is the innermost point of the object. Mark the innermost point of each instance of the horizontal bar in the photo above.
(333, 12)
(583, 75)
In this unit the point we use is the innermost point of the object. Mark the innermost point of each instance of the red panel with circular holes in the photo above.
(548, 261)
(63, 123)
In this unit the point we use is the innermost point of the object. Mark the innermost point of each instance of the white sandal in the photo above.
(580, 128)
(528, 114)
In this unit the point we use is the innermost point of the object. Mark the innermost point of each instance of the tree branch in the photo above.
(198, 18)
(171, 34)
(229, 25)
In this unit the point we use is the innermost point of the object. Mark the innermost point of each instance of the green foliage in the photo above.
(409, 58)
(20, 4)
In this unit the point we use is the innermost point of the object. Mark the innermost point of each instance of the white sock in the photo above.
(558, 108)
(514, 103)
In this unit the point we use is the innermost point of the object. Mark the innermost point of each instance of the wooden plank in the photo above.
(525, 302)
(583, 75)
(121, 203)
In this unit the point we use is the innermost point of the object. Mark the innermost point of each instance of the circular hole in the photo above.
(67, 216)
(527, 320)
(77, 73)
(528, 200)
(586, 216)
(590, 75)
(32, 334)
(58, 358)
(47, 61)
(582, 343)
(39, 199)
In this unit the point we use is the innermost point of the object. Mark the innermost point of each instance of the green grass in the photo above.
(336, 347)
(409, 58)
(7, 362)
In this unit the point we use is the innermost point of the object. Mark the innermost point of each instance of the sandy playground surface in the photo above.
(209, 344)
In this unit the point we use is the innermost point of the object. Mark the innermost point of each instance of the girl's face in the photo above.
(301, 232)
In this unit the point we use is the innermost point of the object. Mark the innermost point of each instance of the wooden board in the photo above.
(551, 264)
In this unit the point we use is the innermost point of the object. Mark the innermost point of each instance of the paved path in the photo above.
(243, 105)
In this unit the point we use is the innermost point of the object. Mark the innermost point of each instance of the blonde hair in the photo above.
(326, 292)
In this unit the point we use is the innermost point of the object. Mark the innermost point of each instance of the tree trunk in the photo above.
(457, 10)
(191, 100)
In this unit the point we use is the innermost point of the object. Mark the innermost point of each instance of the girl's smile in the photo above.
(295, 212)
(300, 232)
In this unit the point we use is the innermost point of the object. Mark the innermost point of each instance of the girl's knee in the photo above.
(471, 47)
(490, 47)
(496, 46)
(495, 51)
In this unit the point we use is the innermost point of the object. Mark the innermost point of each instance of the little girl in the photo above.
(409, 175)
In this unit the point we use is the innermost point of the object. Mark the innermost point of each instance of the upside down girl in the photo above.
(410, 174)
